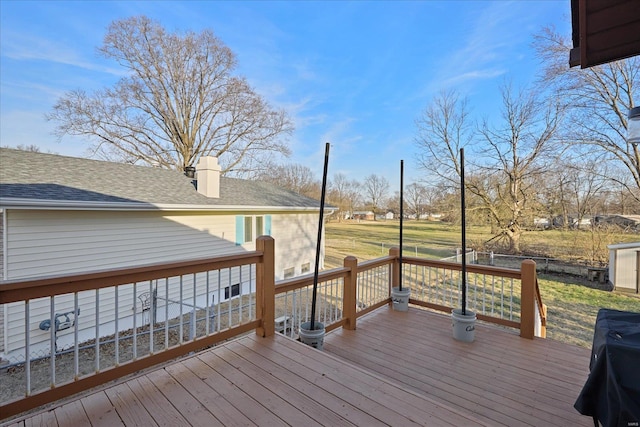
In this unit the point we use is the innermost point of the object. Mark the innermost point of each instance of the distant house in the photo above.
(64, 215)
(630, 222)
(572, 221)
(363, 215)
(389, 215)
(541, 222)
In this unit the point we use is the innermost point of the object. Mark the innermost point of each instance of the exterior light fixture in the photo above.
(633, 126)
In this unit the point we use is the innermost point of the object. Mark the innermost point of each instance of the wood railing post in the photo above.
(266, 286)
(350, 292)
(528, 299)
(395, 270)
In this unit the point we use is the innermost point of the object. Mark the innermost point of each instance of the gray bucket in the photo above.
(313, 338)
(400, 298)
(464, 326)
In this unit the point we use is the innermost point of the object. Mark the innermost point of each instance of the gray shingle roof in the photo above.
(40, 177)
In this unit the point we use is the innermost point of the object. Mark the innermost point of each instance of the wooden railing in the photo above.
(153, 335)
(502, 296)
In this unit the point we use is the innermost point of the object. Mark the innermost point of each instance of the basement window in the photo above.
(305, 268)
(289, 272)
(233, 291)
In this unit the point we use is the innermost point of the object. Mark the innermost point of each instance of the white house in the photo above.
(624, 266)
(64, 215)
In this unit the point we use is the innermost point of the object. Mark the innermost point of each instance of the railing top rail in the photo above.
(373, 263)
(20, 290)
(471, 268)
(302, 281)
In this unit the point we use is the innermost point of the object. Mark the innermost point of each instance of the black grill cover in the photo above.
(611, 394)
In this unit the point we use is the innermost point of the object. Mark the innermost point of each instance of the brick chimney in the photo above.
(208, 176)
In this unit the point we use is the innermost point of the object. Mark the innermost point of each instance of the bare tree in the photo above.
(443, 128)
(295, 177)
(416, 196)
(392, 204)
(598, 100)
(573, 188)
(506, 161)
(344, 193)
(516, 151)
(375, 188)
(180, 100)
(31, 148)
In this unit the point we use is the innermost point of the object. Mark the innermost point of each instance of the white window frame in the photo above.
(289, 272)
(305, 268)
(248, 229)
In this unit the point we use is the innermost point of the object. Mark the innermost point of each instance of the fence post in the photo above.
(528, 299)
(350, 283)
(266, 286)
(395, 270)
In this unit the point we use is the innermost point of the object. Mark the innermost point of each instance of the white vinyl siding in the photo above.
(49, 243)
(43, 243)
(46, 243)
(295, 236)
(2, 328)
(2, 246)
(2, 322)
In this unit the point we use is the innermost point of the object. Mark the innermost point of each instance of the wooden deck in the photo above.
(500, 378)
(396, 369)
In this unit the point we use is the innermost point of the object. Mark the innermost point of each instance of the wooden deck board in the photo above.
(395, 369)
(128, 406)
(502, 378)
(100, 410)
(355, 384)
(46, 419)
(495, 382)
(158, 406)
(300, 393)
(72, 414)
(195, 383)
(191, 409)
(237, 399)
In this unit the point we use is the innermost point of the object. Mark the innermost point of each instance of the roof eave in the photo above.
(42, 204)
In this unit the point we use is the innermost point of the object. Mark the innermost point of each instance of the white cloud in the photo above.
(459, 79)
(491, 44)
(27, 47)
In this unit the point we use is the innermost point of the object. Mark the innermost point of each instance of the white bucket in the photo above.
(313, 338)
(400, 298)
(464, 326)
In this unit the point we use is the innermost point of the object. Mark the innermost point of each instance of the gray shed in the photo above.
(624, 260)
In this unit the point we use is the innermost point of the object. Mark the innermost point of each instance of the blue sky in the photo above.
(356, 74)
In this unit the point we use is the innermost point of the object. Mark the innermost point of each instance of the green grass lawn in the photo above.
(572, 306)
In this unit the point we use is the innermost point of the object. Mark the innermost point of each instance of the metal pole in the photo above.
(464, 236)
(320, 224)
(401, 220)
